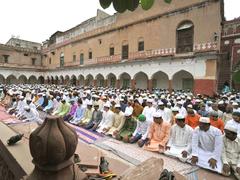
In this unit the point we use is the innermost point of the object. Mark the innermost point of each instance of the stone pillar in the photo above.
(95, 83)
(118, 83)
(133, 84)
(150, 85)
(105, 83)
(170, 86)
(45, 81)
(52, 147)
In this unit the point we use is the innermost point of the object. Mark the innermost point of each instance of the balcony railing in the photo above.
(21, 66)
(140, 55)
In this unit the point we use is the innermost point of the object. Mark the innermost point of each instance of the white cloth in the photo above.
(107, 121)
(32, 116)
(180, 140)
(183, 111)
(129, 109)
(231, 151)
(20, 107)
(234, 124)
(207, 145)
(148, 113)
(236, 110)
(166, 114)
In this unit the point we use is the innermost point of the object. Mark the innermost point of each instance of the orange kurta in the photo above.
(192, 121)
(159, 135)
(137, 110)
(218, 124)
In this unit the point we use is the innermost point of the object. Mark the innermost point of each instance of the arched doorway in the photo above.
(41, 80)
(2, 79)
(67, 80)
(73, 80)
(183, 80)
(56, 80)
(111, 80)
(61, 80)
(160, 80)
(32, 80)
(11, 80)
(141, 80)
(125, 80)
(81, 80)
(52, 80)
(22, 79)
(99, 80)
(89, 80)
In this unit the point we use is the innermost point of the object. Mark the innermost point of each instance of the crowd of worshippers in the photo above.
(197, 129)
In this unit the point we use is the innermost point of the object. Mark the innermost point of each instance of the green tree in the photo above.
(123, 5)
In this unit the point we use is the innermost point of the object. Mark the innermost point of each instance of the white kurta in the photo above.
(207, 145)
(166, 114)
(32, 116)
(148, 113)
(180, 140)
(107, 121)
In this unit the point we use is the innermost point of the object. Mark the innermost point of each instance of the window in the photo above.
(81, 59)
(25, 54)
(141, 45)
(74, 58)
(185, 37)
(17, 45)
(90, 54)
(62, 60)
(35, 48)
(111, 51)
(50, 61)
(5, 57)
(125, 51)
(33, 61)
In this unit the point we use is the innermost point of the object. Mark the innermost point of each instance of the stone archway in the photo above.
(56, 80)
(99, 80)
(141, 80)
(52, 80)
(48, 80)
(89, 80)
(61, 80)
(32, 80)
(125, 80)
(81, 80)
(2, 79)
(183, 80)
(41, 80)
(73, 80)
(11, 80)
(111, 80)
(160, 80)
(22, 79)
(67, 80)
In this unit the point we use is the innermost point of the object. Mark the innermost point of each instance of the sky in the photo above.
(37, 20)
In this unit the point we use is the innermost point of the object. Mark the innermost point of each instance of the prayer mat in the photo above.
(135, 155)
(87, 136)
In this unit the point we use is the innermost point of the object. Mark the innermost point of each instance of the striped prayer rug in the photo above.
(87, 136)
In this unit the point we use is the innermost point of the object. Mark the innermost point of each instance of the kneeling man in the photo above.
(180, 142)
(207, 144)
(231, 152)
(158, 136)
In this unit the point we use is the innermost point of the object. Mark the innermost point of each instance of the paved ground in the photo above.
(90, 154)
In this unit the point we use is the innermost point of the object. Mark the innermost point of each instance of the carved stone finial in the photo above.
(52, 147)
